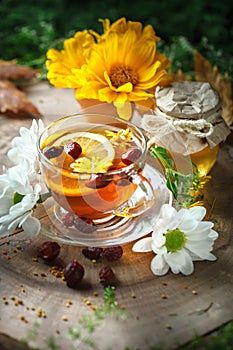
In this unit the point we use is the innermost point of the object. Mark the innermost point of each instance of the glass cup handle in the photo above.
(142, 199)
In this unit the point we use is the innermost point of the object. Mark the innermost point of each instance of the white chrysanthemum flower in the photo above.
(179, 238)
(18, 196)
(24, 146)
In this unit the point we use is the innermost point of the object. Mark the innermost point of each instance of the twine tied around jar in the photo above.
(200, 128)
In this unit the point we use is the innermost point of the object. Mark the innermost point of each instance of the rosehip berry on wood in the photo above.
(73, 273)
(73, 149)
(106, 274)
(113, 253)
(49, 250)
(131, 156)
(92, 253)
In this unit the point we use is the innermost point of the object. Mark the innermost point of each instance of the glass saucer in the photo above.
(118, 230)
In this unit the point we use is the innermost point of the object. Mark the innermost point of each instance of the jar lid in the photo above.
(192, 111)
(188, 99)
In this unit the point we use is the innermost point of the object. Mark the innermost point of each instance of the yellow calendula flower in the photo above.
(64, 65)
(120, 66)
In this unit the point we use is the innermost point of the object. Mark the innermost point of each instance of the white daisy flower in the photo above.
(178, 239)
(24, 146)
(18, 197)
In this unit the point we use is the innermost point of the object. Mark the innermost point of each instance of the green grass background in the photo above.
(29, 28)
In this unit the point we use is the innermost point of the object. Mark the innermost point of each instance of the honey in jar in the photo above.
(188, 121)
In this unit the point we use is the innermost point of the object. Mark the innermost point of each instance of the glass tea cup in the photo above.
(92, 164)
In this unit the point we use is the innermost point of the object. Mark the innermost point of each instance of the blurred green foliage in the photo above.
(28, 29)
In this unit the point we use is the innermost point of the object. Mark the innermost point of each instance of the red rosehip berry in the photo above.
(73, 149)
(113, 253)
(68, 219)
(53, 152)
(92, 253)
(97, 181)
(131, 156)
(49, 251)
(106, 274)
(73, 273)
(85, 225)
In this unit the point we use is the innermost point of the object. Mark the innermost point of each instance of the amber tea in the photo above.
(92, 168)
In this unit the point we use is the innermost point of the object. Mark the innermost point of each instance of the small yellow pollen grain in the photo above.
(64, 318)
(168, 326)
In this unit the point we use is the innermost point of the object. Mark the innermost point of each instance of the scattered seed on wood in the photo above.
(163, 296)
(92, 307)
(57, 331)
(41, 313)
(20, 301)
(43, 274)
(185, 286)
(168, 326)
(4, 252)
(6, 302)
(3, 298)
(64, 318)
(22, 289)
(35, 274)
(133, 295)
(88, 302)
(18, 247)
(35, 259)
(194, 292)
(8, 257)
(12, 297)
(164, 283)
(95, 294)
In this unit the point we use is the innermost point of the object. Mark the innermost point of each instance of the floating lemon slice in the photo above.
(97, 152)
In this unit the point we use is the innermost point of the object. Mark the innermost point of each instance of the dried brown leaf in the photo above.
(179, 76)
(10, 70)
(204, 71)
(14, 101)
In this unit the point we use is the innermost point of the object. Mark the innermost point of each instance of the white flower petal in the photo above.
(158, 238)
(213, 234)
(197, 212)
(201, 249)
(143, 245)
(159, 266)
(180, 261)
(31, 225)
(159, 250)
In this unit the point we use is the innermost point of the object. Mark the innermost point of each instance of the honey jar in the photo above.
(188, 121)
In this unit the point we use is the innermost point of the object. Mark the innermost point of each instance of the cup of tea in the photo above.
(92, 164)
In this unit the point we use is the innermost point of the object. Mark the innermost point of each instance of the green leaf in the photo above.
(17, 198)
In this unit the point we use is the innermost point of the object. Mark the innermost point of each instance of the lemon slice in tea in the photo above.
(97, 152)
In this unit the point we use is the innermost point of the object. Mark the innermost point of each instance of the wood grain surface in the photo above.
(160, 311)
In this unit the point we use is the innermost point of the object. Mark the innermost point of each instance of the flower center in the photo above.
(120, 75)
(175, 240)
